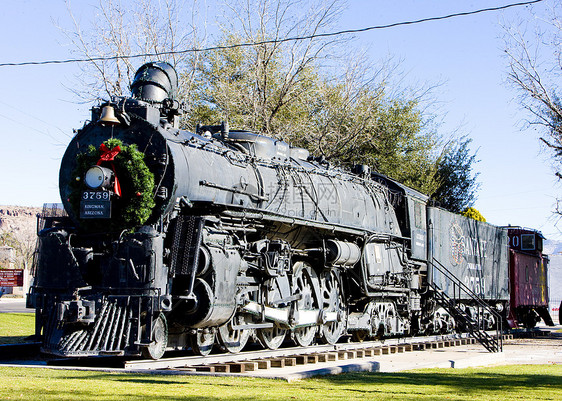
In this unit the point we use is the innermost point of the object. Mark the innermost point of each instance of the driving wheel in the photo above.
(332, 301)
(231, 338)
(303, 286)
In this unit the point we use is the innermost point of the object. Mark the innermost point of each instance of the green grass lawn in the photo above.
(530, 382)
(16, 327)
(525, 382)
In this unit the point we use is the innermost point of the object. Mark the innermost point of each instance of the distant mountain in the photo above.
(19, 221)
(552, 247)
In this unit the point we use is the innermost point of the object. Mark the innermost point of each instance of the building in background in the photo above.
(7, 257)
(554, 251)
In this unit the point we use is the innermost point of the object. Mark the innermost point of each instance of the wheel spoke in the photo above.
(332, 301)
(303, 276)
(159, 339)
(272, 338)
(202, 342)
(233, 340)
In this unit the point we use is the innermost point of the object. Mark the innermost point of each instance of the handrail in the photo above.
(442, 269)
(459, 285)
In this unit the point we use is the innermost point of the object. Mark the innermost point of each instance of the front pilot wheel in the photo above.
(159, 339)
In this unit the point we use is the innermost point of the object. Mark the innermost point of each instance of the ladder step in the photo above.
(489, 342)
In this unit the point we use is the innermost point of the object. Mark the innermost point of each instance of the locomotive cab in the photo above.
(410, 206)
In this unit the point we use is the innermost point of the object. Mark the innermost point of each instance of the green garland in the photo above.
(135, 205)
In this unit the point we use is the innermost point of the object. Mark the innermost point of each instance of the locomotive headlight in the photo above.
(98, 177)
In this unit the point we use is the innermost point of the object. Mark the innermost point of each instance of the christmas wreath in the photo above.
(132, 199)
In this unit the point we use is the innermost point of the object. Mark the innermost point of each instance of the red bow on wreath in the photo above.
(108, 155)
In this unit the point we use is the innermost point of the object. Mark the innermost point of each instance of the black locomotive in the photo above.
(179, 240)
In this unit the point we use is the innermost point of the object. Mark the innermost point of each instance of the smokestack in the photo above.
(155, 82)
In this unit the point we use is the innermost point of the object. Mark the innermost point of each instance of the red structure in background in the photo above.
(528, 276)
(11, 278)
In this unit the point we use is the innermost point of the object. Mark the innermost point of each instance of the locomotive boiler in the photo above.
(177, 240)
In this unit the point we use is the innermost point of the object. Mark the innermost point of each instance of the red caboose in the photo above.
(528, 276)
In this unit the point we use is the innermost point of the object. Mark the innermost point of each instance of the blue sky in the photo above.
(38, 113)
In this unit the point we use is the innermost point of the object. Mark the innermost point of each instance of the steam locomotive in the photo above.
(176, 240)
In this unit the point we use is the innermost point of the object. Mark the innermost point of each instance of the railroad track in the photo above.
(293, 356)
(249, 361)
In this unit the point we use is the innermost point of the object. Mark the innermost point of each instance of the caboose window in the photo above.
(528, 242)
(538, 244)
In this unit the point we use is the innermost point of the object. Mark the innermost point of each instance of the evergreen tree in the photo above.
(457, 182)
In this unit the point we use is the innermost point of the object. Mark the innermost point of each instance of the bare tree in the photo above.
(23, 246)
(265, 80)
(122, 28)
(534, 54)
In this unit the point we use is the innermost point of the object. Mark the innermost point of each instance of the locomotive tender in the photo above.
(178, 240)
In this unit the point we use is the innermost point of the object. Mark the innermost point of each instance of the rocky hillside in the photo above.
(19, 219)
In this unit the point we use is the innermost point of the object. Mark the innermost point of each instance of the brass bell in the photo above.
(108, 116)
